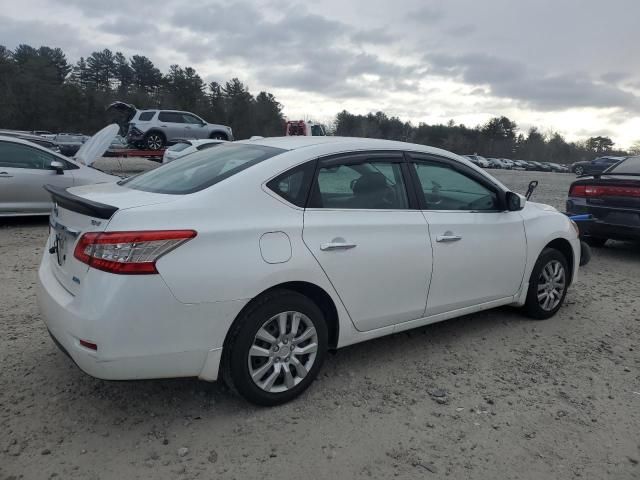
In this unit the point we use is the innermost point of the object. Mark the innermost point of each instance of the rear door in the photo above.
(24, 170)
(172, 125)
(479, 249)
(363, 229)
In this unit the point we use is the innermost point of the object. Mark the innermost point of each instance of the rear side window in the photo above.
(368, 185)
(630, 165)
(170, 117)
(200, 170)
(146, 116)
(294, 184)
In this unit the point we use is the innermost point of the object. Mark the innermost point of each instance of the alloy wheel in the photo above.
(551, 285)
(154, 142)
(579, 171)
(283, 352)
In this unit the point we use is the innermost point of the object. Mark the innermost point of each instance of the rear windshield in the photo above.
(630, 165)
(202, 169)
(178, 147)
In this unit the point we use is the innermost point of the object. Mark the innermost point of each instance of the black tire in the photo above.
(532, 305)
(242, 336)
(579, 170)
(595, 241)
(154, 141)
(218, 136)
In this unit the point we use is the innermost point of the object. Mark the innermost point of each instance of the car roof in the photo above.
(298, 142)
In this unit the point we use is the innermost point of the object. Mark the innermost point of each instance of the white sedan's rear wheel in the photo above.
(276, 348)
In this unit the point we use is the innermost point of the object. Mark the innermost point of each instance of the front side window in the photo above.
(447, 189)
(15, 155)
(170, 117)
(200, 170)
(187, 118)
(368, 185)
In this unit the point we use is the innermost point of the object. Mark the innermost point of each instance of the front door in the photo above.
(373, 247)
(479, 248)
(24, 171)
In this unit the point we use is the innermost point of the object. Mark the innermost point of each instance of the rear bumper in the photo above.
(621, 224)
(141, 330)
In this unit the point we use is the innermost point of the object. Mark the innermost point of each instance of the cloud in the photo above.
(515, 80)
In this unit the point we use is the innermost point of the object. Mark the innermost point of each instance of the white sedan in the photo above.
(186, 147)
(249, 261)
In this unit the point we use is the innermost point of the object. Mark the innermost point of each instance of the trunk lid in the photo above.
(95, 147)
(79, 210)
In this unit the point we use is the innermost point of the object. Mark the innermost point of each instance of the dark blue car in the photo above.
(597, 165)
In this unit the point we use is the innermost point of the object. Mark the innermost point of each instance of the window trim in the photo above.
(419, 157)
(360, 157)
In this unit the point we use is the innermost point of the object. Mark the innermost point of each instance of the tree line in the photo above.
(41, 90)
(499, 137)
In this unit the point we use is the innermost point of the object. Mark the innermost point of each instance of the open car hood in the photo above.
(95, 147)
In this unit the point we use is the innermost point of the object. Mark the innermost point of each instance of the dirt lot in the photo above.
(489, 396)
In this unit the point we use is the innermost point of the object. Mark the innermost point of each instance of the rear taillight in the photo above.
(128, 253)
(604, 191)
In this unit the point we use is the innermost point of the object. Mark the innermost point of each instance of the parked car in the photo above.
(597, 165)
(155, 129)
(185, 147)
(70, 143)
(522, 165)
(43, 142)
(478, 160)
(45, 134)
(613, 198)
(540, 167)
(556, 167)
(509, 163)
(26, 167)
(208, 258)
(494, 163)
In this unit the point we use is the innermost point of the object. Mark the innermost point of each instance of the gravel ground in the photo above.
(490, 396)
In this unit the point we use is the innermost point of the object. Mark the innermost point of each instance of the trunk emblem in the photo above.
(59, 248)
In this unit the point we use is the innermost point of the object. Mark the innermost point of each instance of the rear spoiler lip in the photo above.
(81, 205)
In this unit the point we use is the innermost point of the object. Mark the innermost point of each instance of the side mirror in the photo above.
(57, 166)
(515, 201)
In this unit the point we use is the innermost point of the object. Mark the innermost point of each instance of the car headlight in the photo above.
(575, 227)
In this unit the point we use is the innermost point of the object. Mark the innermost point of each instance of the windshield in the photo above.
(201, 169)
(630, 165)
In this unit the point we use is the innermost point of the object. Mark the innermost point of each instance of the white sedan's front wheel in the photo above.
(276, 348)
(548, 284)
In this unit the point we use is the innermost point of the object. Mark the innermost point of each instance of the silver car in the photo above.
(26, 167)
(154, 129)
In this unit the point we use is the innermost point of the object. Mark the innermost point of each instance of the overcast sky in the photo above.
(565, 65)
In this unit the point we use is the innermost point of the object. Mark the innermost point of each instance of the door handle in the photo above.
(5, 175)
(448, 237)
(336, 246)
